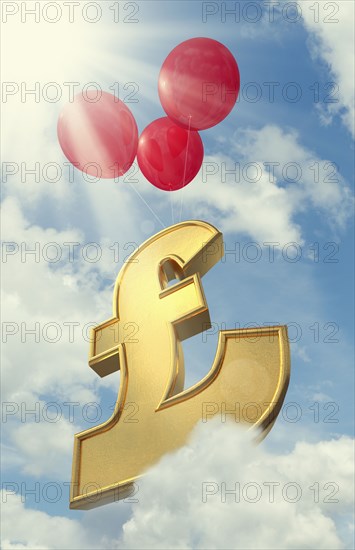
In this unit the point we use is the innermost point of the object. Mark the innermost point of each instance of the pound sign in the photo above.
(248, 379)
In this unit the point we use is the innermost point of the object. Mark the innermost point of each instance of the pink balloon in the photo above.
(98, 135)
(168, 155)
(199, 83)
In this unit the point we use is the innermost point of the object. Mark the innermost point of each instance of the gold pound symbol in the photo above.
(153, 413)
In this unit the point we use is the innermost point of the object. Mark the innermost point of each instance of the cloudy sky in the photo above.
(286, 216)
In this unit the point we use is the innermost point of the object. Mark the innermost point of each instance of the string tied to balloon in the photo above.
(183, 179)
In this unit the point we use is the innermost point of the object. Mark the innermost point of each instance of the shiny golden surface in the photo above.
(154, 414)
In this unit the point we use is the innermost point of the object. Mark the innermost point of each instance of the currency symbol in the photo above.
(154, 414)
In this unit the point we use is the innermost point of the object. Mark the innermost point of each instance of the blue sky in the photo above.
(314, 297)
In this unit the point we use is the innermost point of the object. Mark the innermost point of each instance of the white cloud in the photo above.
(58, 283)
(36, 290)
(25, 528)
(299, 500)
(267, 208)
(181, 499)
(45, 448)
(331, 32)
(311, 182)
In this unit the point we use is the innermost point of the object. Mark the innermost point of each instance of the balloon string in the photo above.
(183, 181)
(171, 204)
(147, 205)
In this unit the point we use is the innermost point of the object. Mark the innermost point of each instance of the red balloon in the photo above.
(98, 134)
(168, 155)
(199, 83)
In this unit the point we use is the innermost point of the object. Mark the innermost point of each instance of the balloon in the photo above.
(98, 134)
(199, 83)
(168, 155)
